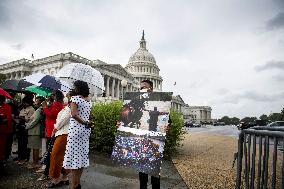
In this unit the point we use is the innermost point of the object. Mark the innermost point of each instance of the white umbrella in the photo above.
(76, 71)
(47, 81)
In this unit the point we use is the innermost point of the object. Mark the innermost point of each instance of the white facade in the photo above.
(113, 73)
(198, 114)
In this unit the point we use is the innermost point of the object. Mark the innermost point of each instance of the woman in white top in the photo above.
(60, 131)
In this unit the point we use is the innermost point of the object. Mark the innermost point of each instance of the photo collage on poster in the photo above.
(140, 139)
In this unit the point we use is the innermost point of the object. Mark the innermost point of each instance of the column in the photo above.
(112, 88)
(107, 86)
(17, 75)
(22, 74)
(118, 88)
(156, 81)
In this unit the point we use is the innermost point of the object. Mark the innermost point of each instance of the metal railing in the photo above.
(260, 161)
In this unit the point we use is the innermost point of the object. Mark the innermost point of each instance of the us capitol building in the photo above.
(141, 65)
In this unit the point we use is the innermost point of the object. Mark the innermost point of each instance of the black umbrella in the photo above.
(47, 81)
(14, 85)
(50, 82)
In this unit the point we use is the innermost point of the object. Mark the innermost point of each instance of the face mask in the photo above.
(65, 100)
(143, 90)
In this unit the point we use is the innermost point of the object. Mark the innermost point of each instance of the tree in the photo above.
(282, 114)
(275, 117)
(226, 120)
(235, 121)
(263, 117)
(2, 78)
(249, 119)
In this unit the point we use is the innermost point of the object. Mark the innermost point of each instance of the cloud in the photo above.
(211, 49)
(3, 60)
(18, 46)
(253, 96)
(278, 77)
(271, 65)
(277, 22)
(4, 13)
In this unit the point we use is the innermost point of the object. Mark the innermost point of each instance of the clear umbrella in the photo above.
(77, 71)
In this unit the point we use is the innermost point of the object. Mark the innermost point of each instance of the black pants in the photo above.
(23, 150)
(155, 181)
(9, 145)
(49, 144)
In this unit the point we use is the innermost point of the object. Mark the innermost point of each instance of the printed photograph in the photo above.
(147, 111)
(141, 152)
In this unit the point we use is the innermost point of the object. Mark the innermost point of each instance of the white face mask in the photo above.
(143, 90)
(65, 100)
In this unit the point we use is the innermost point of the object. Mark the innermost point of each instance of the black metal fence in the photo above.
(260, 162)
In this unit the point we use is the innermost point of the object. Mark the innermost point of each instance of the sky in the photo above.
(226, 54)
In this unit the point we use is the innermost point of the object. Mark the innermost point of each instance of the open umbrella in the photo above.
(11, 84)
(4, 93)
(76, 71)
(47, 81)
(39, 90)
(15, 85)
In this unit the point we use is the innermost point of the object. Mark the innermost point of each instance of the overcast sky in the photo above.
(227, 54)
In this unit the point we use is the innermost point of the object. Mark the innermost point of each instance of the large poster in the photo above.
(140, 140)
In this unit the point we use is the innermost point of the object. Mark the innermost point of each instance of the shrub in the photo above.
(105, 116)
(174, 135)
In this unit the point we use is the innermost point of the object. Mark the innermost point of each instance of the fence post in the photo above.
(239, 161)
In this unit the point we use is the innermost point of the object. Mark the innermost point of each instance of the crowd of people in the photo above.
(139, 152)
(60, 131)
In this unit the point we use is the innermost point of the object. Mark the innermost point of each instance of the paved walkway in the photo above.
(101, 174)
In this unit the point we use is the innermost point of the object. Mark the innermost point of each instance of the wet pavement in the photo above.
(101, 174)
(228, 130)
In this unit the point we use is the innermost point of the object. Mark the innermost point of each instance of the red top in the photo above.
(50, 116)
(6, 114)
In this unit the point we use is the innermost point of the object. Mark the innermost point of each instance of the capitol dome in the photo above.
(142, 55)
(142, 65)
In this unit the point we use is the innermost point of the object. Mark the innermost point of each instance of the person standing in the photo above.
(5, 129)
(15, 112)
(33, 127)
(24, 117)
(147, 86)
(50, 112)
(77, 149)
(60, 131)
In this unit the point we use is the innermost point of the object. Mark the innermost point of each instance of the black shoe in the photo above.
(65, 182)
(52, 185)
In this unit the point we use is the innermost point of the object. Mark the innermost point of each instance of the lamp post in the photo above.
(123, 84)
